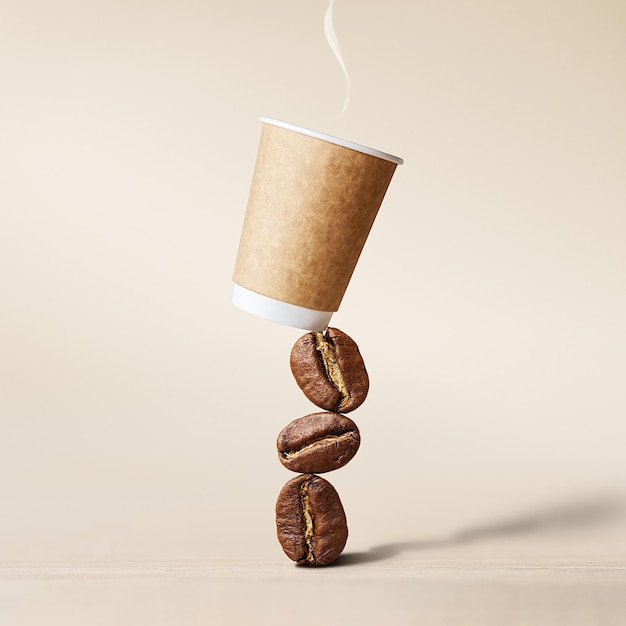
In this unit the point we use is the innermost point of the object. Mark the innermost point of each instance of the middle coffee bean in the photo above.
(318, 443)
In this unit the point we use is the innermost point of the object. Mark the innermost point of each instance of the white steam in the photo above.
(334, 46)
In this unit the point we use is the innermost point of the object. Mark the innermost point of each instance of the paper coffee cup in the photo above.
(312, 203)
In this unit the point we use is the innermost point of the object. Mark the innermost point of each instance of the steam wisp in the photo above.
(329, 31)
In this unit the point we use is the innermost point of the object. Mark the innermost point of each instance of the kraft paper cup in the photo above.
(312, 203)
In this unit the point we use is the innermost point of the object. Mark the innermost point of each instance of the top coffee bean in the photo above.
(329, 369)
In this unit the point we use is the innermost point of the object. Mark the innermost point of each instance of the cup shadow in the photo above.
(579, 514)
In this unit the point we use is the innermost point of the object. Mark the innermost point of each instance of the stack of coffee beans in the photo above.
(310, 519)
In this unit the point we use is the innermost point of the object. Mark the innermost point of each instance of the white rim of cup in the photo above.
(336, 140)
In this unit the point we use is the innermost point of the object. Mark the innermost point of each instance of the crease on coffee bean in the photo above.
(308, 522)
(326, 350)
(351, 434)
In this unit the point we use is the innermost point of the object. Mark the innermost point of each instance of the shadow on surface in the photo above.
(581, 514)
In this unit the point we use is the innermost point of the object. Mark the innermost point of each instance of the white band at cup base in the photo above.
(280, 312)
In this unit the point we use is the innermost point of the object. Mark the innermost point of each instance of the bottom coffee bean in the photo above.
(310, 521)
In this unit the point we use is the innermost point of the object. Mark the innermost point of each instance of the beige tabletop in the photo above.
(564, 566)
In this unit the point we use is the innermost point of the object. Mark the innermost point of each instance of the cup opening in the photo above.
(336, 140)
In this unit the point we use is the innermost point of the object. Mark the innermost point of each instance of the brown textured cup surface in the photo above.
(310, 521)
(318, 443)
(330, 370)
(311, 206)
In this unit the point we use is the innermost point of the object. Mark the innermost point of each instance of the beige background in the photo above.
(139, 409)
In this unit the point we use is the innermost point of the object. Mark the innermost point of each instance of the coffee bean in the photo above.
(330, 371)
(318, 443)
(310, 521)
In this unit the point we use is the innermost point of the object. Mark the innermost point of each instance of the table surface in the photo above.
(560, 570)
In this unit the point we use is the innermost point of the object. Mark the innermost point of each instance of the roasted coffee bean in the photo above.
(318, 443)
(310, 521)
(330, 371)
